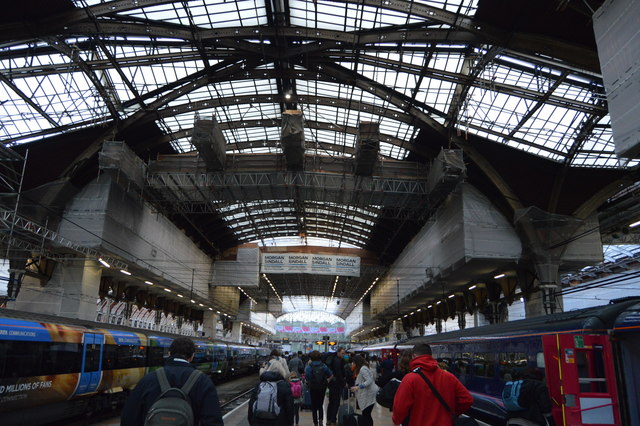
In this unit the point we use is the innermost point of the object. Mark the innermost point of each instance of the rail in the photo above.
(237, 397)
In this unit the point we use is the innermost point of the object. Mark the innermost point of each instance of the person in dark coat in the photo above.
(317, 376)
(336, 386)
(203, 395)
(285, 401)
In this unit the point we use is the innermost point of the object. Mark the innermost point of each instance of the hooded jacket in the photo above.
(285, 401)
(414, 395)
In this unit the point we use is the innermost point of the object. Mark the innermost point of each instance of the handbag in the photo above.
(457, 420)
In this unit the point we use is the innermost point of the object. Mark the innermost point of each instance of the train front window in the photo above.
(591, 373)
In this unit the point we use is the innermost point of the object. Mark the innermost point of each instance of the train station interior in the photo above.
(312, 172)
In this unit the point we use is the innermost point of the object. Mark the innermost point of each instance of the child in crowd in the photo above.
(298, 394)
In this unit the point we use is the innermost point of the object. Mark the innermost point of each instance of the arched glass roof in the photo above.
(106, 61)
(431, 74)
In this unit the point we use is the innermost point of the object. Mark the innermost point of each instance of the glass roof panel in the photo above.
(464, 7)
(338, 16)
(599, 149)
(206, 13)
(301, 309)
(304, 241)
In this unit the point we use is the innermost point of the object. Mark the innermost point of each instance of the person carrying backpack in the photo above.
(145, 403)
(317, 375)
(527, 401)
(297, 391)
(431, 395)
(387, 393)
(271, 402)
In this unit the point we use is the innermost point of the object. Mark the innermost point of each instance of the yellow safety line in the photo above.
(564, 414)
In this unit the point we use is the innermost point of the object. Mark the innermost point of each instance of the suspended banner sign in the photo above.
(309, 330)
(322, 264)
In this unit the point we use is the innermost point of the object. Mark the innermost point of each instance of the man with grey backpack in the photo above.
(176, 394)
(271, 402)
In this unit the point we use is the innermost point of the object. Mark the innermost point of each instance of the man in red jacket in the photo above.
(414, 396)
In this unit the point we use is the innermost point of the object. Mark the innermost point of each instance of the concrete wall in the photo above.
(465, 228)
(105, 217)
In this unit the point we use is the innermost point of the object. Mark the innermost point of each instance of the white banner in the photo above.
(322, 264)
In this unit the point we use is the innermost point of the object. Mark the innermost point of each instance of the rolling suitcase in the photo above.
(347, 413)
(306, 400)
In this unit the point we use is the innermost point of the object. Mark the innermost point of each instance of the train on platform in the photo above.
(52, 368)
(588, 358)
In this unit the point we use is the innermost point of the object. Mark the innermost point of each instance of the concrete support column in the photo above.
(72, 291)
(236, 332)
(210, 324)
(548, 300)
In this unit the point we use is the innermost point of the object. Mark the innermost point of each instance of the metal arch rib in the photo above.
(398, 100)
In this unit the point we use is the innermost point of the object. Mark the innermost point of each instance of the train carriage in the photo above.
(67, 367)
(586, 356)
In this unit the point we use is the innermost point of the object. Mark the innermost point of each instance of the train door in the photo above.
(91, 361)
(581, 379)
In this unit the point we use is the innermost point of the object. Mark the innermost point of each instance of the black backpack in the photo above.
(173, 406)
(387, 393)
(317, 379)
(328, 358)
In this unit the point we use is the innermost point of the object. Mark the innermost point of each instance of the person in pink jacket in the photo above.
(414, 396)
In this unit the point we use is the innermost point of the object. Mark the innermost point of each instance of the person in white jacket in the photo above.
(276, 363)
(365, 389)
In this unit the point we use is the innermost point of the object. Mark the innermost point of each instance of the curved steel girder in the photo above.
(275, 98)
(600, 197)
(327, 39)
(294, 232)
(377, 89)
(584, 131)
(519, 41)
(457, 78)
(468, 81)
(310, 220)
(555, 48)
(338, 208)
(293, 224)
(486, 33)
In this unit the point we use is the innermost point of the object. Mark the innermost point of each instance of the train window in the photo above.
(511, 365)
(156, 355)
(115, 357)
(108, 357)
(64, 357)
(591, 374)
(24, 359)
(220, 353)
(540, 359)
(484, 364)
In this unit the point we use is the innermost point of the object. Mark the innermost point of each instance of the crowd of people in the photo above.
(418, 390)
(338, 375)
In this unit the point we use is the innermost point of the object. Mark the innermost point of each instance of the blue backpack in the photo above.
(510, 395)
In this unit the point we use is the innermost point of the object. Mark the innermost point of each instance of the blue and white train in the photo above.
(52, 369)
